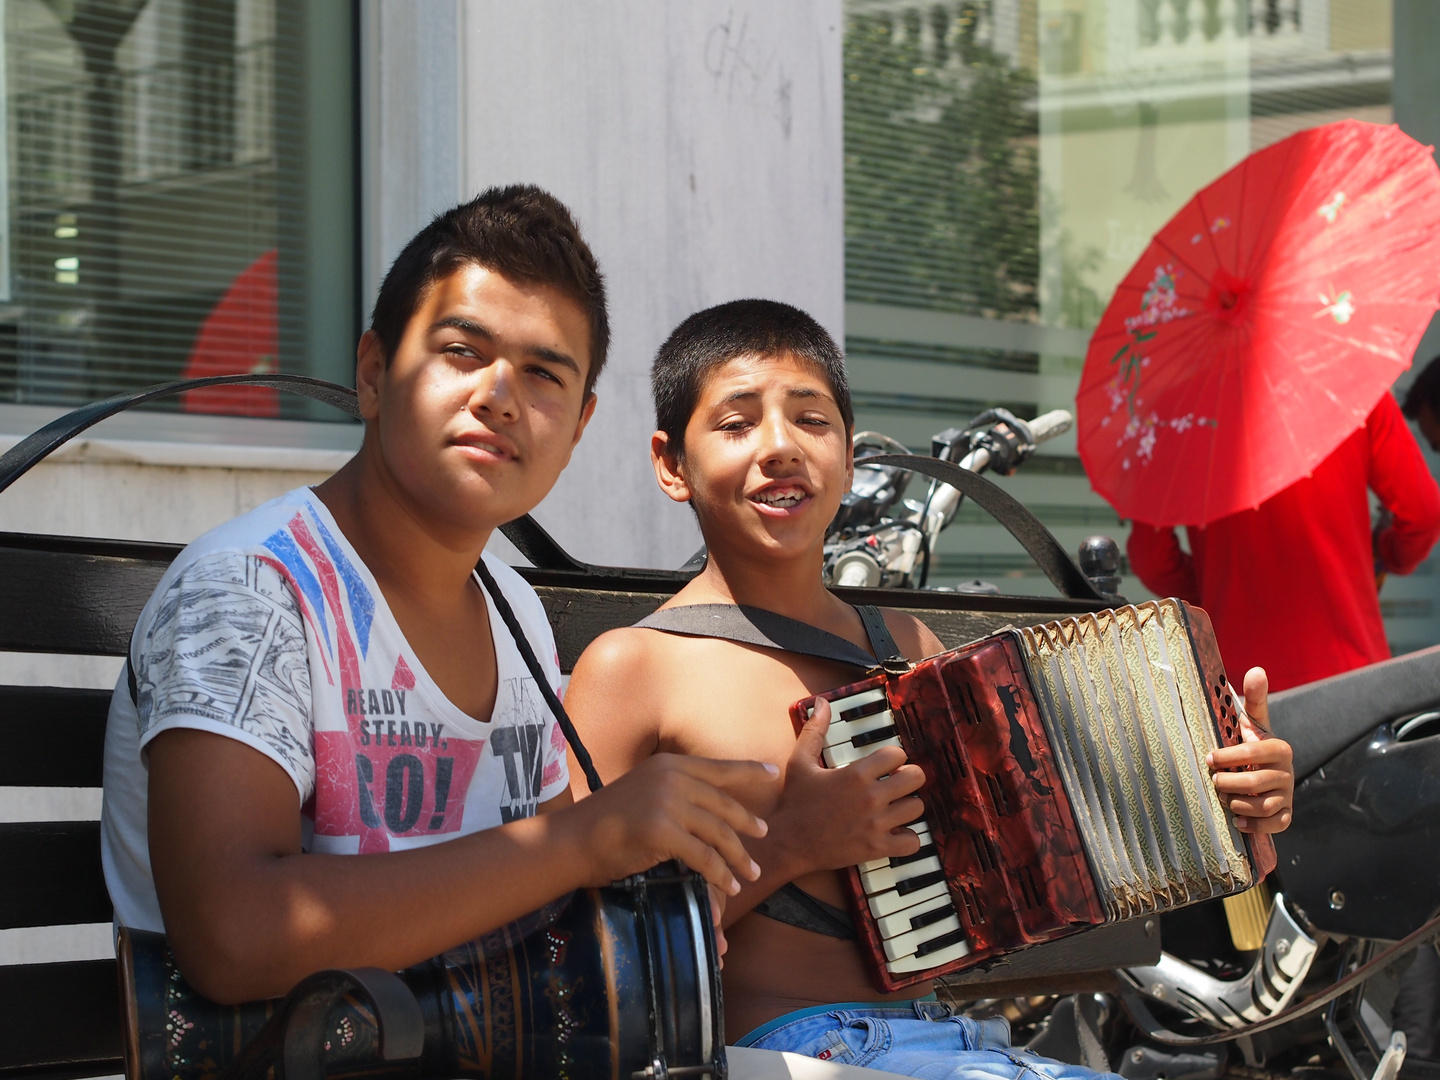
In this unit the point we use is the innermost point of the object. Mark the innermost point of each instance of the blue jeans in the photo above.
(920, 1038)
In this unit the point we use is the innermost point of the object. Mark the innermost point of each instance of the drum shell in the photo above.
(615, 977)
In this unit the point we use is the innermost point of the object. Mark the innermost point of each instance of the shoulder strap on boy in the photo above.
(507, 616)
(886, 651)
(771, 630)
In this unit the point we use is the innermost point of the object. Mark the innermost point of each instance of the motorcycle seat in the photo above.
(1322, 718)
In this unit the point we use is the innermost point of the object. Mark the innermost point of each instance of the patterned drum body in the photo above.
(596, 986)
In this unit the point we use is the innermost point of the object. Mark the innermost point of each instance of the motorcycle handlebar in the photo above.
(854, 575)
(1050, 424)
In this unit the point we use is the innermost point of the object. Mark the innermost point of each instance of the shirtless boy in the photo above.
(754, 423)
(325, 676)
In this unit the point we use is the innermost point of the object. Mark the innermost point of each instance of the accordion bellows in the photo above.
(1066, 786)
(1121, 701)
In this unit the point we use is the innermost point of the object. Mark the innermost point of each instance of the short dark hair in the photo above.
(519, 231)
(717, 335)
(1425, 390)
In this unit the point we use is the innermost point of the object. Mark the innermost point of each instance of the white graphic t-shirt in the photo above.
(271, 631)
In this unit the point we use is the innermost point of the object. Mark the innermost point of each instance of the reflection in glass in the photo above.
(156, 148)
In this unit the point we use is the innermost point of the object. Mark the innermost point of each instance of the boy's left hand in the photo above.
(1255, 777)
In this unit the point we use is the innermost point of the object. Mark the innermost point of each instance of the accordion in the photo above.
(1065, 786)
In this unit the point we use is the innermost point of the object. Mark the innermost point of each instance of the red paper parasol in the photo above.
(1262, 324)
(240, 336)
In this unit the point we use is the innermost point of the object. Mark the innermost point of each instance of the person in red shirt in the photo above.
(1290, 585)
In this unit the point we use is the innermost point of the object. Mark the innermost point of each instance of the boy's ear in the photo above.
(586, 412)
(369, 368)
(849, 460)
(668, 469)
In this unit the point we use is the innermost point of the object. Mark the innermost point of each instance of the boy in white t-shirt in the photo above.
(325, 676)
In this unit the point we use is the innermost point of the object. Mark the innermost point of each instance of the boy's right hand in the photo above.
(672, 806)
(833, 818)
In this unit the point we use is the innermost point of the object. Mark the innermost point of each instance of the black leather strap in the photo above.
(756, 626)
(507, 616)
(1034, 537)
(883, 645)
(793, 906)
(33, 449)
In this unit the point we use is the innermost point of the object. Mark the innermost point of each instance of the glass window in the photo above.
(179, 197)
(1007, 161)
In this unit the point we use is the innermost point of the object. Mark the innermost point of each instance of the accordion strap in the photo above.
(883, 644)
(771, 630)
(793, 906)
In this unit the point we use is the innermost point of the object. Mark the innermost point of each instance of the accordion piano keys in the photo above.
(904, 879)
(927, 848)
(891, 901)
(920, 927)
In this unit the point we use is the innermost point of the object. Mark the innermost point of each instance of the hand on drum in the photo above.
(1255, 777)
(834, 818)
(675, 807)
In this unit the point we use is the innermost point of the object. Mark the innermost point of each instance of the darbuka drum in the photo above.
(617, 982)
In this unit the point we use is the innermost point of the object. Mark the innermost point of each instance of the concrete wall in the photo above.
(699, 143)
(167, 477)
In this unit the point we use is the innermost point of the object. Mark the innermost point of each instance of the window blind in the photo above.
(159, 176)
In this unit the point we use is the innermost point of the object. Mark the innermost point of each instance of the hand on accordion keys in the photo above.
(831, 819)
(1255, 777)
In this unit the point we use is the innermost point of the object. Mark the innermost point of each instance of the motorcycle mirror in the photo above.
(1100, 562)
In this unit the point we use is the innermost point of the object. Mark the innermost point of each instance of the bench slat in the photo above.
(52, 874)
(76, 595)
(68, 602)
(35, 720)
(59, 1021)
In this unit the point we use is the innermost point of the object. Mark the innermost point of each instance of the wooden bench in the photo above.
(76, 596)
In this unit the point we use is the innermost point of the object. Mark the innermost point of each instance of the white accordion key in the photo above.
(906, 944)
(847, 730)
(840, 706)
(894, 877)
(891, 901)
(907, 965)
(907, 895)
(920, 829)
(844, 753)
(914, 917)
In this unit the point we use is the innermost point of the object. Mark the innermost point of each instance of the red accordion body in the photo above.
(1004, 826)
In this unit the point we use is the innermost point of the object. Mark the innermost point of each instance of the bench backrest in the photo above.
(61, 595)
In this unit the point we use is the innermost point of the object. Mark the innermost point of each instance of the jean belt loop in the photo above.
(992, 1033)
(933, 1010)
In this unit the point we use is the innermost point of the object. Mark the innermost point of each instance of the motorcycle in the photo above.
(1309, 976)
(880, 539)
